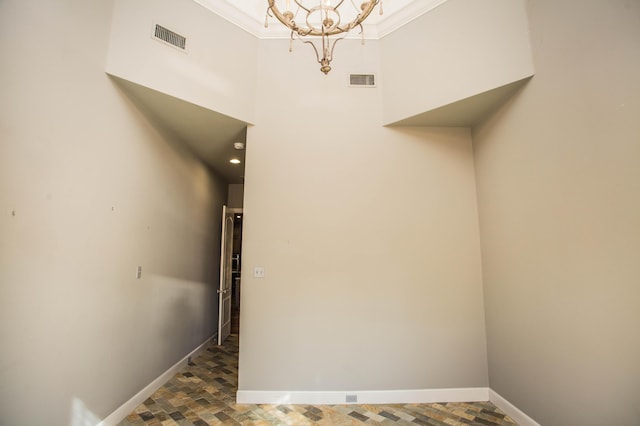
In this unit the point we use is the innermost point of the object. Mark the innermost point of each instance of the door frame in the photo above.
(224, 293)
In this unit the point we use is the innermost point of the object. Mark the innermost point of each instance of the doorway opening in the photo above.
(230, 279)
(236, 264)
(229, 289)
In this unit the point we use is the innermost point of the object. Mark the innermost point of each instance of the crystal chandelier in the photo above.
(321, 20)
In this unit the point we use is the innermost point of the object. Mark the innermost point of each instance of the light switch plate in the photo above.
(258, 272)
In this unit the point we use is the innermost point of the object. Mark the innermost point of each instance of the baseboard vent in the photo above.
(362, 80)
(172, 38)
(351, 399)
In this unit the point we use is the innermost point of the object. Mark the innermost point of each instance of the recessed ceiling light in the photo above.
(238, 145)
(234, 161)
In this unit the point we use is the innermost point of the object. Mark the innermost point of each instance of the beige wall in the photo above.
(368, 236)
(558, 174)
(460, 49)
(218, 71)
(235, 195)
(96, 191)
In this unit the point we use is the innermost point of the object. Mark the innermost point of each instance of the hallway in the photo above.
(204, 394)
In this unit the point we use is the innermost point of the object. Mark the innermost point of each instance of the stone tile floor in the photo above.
(204, 392)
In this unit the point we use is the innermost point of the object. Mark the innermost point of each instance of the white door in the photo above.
(224, 290)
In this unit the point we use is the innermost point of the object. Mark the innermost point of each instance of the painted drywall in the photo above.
(90, 190)
(235, 195)
(460, 49)
(368, 236)
(558, 175)
(215, 72)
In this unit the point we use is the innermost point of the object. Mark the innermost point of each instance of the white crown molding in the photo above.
(405, 15)
(234, 15)
(386, 25)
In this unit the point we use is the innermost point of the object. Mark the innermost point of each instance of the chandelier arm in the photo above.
(314, 48)
(308, 42)
(333, 46)
(367, 11)
(316, 32)
(330, 24)
(327, 25)
(363, 15)
(299, 3)
(349, 27)
(338, 4)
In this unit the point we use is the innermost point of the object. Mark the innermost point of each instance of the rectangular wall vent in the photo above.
(170, 37)
(351, 399)
(362, 80)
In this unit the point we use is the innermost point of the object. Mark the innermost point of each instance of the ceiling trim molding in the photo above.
(250, 24)
(234, 15)
(405, 15)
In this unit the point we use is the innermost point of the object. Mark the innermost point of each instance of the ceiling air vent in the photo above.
(362, 80)
(166, 35)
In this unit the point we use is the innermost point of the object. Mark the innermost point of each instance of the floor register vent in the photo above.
(166, 35)
(362, 80)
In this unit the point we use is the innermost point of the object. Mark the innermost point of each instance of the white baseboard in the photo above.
(128, 407)
(412, 396)
(511, 410)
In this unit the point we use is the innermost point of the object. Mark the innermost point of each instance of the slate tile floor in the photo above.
(204, 392)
